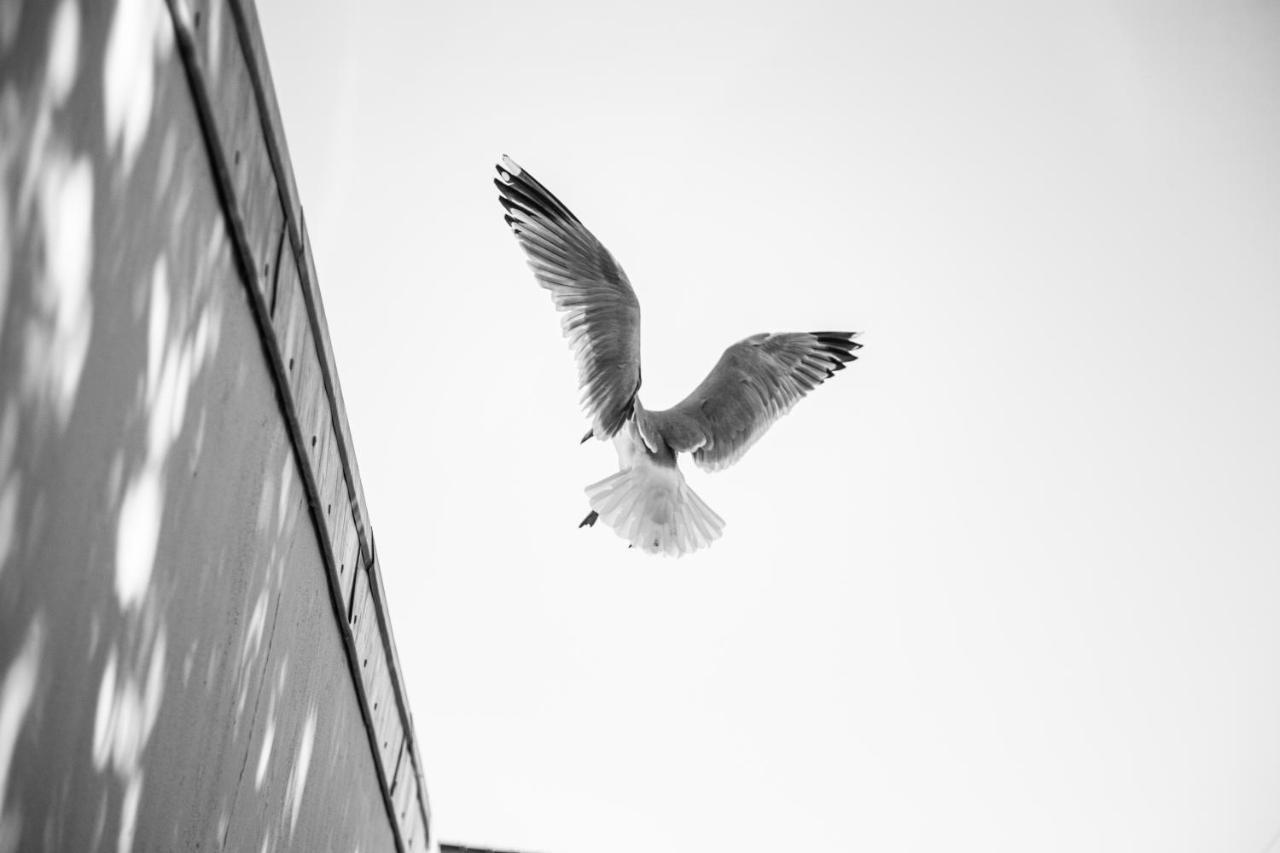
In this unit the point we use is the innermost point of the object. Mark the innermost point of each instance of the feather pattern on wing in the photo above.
(600, 313)
(756, 381)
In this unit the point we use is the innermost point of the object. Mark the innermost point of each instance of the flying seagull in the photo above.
(756, 381)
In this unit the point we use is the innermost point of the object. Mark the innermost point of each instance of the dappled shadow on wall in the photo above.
(118, 388)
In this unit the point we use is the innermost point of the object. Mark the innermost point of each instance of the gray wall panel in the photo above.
(177, 666)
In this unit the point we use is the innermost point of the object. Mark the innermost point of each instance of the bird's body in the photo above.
(756, 381)
(648, 501)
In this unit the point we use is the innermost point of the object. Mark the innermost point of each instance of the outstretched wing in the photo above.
(600, 313)
(757, 381)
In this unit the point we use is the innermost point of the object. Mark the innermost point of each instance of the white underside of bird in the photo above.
(648, 502)
(757, 380)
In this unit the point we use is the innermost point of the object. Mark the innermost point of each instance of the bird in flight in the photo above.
(756, 381)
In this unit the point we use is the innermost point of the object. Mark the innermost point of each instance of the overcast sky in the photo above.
(1011, 582)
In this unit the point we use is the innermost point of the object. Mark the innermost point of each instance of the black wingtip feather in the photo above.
(509, 205)
(532, 203)
(524, 184)
(840, 346)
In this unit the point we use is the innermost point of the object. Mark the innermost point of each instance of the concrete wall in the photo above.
(194, 645)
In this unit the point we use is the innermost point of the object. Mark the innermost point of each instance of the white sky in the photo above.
(1011, 582)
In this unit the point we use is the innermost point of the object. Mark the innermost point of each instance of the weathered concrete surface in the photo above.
(193, 650)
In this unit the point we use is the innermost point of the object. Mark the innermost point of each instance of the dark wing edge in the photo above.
(600, 314)
(757, 381)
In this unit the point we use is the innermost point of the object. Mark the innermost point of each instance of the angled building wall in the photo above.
(194, 646)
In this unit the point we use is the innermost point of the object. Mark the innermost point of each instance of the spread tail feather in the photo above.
(653, 508)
